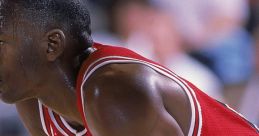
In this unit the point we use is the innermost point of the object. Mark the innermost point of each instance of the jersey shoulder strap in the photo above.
(104, 55)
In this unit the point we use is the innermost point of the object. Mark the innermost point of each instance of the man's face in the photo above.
(19, 61)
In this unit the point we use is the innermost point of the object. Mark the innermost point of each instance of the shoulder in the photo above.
(123, 81)
(117, 78)
(124, 98)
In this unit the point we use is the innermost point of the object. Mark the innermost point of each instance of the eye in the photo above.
(2, 43)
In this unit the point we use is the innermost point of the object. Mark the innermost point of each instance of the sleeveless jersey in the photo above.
(208, 116)
(55, 125)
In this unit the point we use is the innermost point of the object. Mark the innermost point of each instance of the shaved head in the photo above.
(70, 16)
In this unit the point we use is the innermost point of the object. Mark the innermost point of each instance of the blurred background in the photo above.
(214, 44)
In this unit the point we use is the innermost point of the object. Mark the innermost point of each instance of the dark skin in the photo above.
(141, 101)
(30, 119)
(120, 99)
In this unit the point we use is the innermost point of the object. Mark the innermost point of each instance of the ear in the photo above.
(55, 44)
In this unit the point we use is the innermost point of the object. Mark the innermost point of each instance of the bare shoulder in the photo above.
(29, 113)
(125, 99)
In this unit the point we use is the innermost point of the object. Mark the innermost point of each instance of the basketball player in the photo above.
(65, 85)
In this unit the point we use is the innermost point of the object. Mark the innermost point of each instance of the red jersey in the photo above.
(209, 117)
(55, 125)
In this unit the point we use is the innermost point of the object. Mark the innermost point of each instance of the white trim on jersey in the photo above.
(53, 119)
(199, 110)
(159, 69)
(56, 124)
(42, 118)
(81, 133)
(51, 130)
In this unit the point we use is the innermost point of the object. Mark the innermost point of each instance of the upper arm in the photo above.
(123, 100)
(29, 113)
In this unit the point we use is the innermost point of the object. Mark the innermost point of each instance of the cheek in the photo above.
(14, 74)
(9, 60)
(20, 67)
(17, 86)
(14, 78)
(20, 61)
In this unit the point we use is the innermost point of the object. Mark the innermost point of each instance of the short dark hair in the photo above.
(71, 15)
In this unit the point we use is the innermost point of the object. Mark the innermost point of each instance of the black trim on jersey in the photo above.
(251, 124)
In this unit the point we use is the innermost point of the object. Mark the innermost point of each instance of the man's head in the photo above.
(34, 34)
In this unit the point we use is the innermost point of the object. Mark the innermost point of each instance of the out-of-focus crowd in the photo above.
(212, 43)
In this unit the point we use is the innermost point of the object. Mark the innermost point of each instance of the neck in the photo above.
(60, 95)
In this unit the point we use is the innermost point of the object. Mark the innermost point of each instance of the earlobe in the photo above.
(55, 44)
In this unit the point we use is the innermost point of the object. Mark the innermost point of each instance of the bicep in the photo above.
(120, 103)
